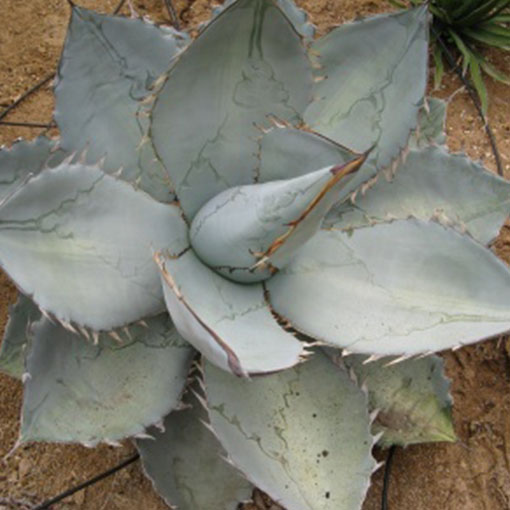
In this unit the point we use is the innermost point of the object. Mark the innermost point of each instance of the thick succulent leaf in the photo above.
(302, 435)
(400, 288)
(108, 66)
(375, 76)
(82, 392)
(248, 232)
(296, 16)
(260, 68)
(285, 153)
(187, 464)
(79, 243)
(16, 336)
(230, 323)
(412, 398)
(24, 159)
(431, 183)
(431, 124)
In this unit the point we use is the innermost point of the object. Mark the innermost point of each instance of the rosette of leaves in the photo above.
(279, 194)
(470, 26)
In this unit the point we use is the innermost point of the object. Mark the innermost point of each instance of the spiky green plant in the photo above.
(469, 26)
(226, 190)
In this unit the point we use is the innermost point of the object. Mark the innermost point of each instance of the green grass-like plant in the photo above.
(469, 26)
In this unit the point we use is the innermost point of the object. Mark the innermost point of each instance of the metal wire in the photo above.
(69, 492)
(26, 124)
(473, 96)
(387, 473)
(173, 14)
(29, 92)
(44, 81)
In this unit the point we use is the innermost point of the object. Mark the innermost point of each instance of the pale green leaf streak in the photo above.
(108, 65)
(400, 288)
(302, 435)
(431, 183)
(412, 398)
(229, 323)
(248, 63)
(16, 337)
(375, 76)
(87, 393)
(187, 465)
(79, 243)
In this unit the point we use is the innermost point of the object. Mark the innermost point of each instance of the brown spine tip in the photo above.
(350, 167)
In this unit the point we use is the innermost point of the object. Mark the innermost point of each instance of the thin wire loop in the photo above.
(387, 473)
(69, 492)
(474, 98)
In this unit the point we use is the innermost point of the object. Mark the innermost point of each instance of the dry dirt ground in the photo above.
(473, 474)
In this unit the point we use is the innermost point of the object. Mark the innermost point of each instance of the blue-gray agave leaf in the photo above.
(84, 392)
(302, 435)
(399, 288)
(16, 336)
(24, 159)
(286, 153)
(188, 465)
(297, 16)
(432, 183)
(108, 65)
(412, 398)
(78, 241)
(375, 76)
(248, 63)
(248, 232)
(229, 323)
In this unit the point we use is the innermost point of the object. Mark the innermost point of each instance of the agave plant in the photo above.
(293, 204)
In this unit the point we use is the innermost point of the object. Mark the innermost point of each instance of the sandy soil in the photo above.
(473, 474)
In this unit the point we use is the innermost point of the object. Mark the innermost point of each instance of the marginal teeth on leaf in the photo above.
(378, 436)
(113, 334)
(47, 315)
(143, 435)
(69, 327)
(118, 173)
(379, 464)
(370, 359)
(83, 156)
(84, 332)
(160, 81)
(207, 425)
(160, 425)
(111, 442)
(397, 360)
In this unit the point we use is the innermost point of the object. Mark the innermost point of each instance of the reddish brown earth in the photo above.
(473, 474)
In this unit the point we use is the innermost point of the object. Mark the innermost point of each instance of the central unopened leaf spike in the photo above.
(249, 232)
